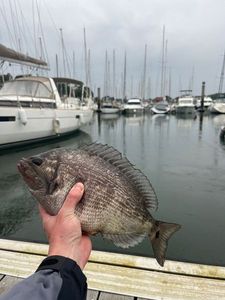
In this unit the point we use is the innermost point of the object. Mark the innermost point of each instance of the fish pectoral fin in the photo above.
(125, 240)
(160, 239)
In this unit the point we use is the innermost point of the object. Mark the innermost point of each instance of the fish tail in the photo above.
(159, 239)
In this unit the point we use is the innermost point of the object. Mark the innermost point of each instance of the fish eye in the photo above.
(36, 160)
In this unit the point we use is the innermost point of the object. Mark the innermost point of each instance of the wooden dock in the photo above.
(118, 276)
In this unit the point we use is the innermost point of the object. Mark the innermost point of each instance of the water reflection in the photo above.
(186, 120)
(134, 120)
(16, 204)
(218, 120)
(184, 160)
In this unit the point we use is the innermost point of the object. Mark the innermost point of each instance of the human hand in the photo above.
(64, 230)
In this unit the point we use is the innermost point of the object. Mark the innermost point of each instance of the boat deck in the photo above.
(118, 276)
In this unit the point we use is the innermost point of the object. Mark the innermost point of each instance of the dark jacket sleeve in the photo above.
(57, 278)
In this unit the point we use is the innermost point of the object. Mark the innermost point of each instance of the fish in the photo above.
(118, 198)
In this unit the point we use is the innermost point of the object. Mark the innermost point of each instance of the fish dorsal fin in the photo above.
(135, 176)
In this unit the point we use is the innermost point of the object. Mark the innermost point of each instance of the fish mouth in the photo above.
(29, 174)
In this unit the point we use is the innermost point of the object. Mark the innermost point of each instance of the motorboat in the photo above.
(185, 104)
(133, 106)
(34, 108)
(109, 108)
(161, 108)
(206, 103)
(218, 106)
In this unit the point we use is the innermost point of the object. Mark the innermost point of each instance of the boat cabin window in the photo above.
(66, 90)
(134, 103)
(26, 88)
(185, 101)
(162, 106)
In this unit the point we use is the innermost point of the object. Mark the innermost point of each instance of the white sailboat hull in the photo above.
(111, 110)
(31, 109)
(217, 108)
(40, 123)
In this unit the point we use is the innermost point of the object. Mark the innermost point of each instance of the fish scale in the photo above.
(118, 199)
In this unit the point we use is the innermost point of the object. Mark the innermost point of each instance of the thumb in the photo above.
(74, 196)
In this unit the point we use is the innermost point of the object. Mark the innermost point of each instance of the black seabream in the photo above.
(117, 201)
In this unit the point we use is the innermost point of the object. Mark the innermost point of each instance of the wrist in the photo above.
(63, 250)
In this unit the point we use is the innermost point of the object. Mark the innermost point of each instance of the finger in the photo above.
(74, 196)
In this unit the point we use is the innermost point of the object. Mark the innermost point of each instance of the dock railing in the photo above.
(120, 274)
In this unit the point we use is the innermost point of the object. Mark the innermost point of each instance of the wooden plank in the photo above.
(23, 264)
(109, 296)
(153, 285)
(92, 295)
(7, 282)
(19, 246)
(126, 260)
(126, 281)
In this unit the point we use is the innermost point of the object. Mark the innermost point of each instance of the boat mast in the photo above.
(222, 76)
(89, 71)
(57, 65)
(74, 64)
(105, 91)
(63, 52)
(144, 75)
(85, 59)
(114, 72)
(162, 63)
(124, 75)
(165, 69)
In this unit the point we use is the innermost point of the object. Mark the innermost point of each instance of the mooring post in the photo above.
(202, 96)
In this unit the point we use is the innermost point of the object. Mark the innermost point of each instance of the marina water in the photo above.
(182, 156)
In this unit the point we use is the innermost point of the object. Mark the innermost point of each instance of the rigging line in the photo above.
(42, 33)
(26, 28)
(18, 25)
(34, 29)
(51, 18)
(4, 14)
(68, 62)
(65, 55)
(13, 25)
(19, 31)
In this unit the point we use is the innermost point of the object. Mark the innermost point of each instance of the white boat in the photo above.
(185, 104)
(109, 108)
(218, 106)
(31, 109)
(207, 102)
(161, 108)
(133, 106)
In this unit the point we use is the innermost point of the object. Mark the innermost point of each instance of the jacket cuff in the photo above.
(60, 264)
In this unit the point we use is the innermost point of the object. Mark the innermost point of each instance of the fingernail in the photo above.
(80, 186)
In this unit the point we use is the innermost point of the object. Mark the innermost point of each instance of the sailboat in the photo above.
(163, 106)
(33, 108)
(218, 105)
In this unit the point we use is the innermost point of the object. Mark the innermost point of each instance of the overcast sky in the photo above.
(194, 30)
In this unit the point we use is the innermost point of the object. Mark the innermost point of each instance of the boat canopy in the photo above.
(67, 80)
(7, 54)
(134, 101)
(28, 87)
